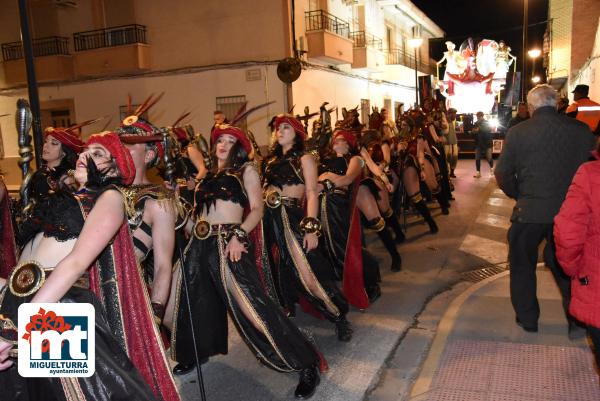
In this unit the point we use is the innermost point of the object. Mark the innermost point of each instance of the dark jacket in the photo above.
(483, 137)
(538, 161)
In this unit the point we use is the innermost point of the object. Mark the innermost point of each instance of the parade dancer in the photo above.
(378, 180)
(340, 173)
(59, 155)
(151, 208)
(80, 243)
(416, 168)
(435, 123)
(219, 263)
(373, 192)
(290, 178)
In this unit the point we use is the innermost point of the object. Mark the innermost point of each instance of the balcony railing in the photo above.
(399, 56)
(363, 39)
(110, 37)
(50, 46)
(321, 20)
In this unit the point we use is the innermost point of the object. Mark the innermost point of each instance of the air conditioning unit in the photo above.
(66, 3)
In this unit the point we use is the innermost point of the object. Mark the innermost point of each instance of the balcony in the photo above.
(328, 38)
(367, 52)
(110, 51)
(400, 57)
(52, 60)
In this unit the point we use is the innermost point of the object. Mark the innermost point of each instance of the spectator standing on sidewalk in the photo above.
(522, 115)
(538, 162)
(451, 142)
(577, 237)
(584, 109)
(483, 143)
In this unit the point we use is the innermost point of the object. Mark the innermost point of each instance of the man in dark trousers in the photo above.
(483, 143)
(538, 162)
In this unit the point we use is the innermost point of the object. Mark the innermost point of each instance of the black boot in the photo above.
(444, 203)
(392, 222)
(442, 199)
(373, 292)
(424, 211)
(343, 329)
(388, 242)
(309, 380)
(181, 369)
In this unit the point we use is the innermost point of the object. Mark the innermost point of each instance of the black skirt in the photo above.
(281, 227)
(115, 378)
(336, 216)
(212, 280)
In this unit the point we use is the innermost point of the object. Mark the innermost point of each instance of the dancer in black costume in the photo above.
(290, 177)
(340, 173)
(223, 276)
(83, 243)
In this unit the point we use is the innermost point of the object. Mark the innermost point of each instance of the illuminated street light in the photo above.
(534, 53)
(415, 43)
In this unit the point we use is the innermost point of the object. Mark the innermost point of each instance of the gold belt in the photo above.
(203, 229)
(274, 199)
(29, 276)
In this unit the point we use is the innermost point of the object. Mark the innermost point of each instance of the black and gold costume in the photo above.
(135, 201)
(281, 227)
(337, 217)
(217, 285)
(116, 376)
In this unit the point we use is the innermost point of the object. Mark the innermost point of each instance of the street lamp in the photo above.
(534, 53)
(415, 43)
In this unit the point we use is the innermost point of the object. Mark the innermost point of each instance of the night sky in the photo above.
(490, 19)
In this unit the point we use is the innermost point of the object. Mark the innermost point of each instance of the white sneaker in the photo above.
(477, 175)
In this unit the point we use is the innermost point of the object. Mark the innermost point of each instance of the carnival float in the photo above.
(474, 76)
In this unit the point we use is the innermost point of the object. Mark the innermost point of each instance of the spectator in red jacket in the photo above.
(577, 237)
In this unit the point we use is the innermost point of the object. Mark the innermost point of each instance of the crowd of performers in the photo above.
(229, 232)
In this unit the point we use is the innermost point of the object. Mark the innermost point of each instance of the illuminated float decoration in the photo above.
(474, 77)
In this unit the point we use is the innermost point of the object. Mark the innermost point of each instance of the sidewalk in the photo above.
(479, 353)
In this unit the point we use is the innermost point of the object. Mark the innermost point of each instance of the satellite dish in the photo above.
(289, 69)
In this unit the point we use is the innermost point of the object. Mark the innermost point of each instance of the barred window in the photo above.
(230, 105)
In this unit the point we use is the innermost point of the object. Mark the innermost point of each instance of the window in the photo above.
(230, 105)
(60, 118)
(365, 110)
(388, 37)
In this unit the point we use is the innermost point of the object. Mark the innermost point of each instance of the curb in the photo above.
(423, 382)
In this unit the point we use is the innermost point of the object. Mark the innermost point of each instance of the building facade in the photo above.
(573, 35)
(207, 55)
